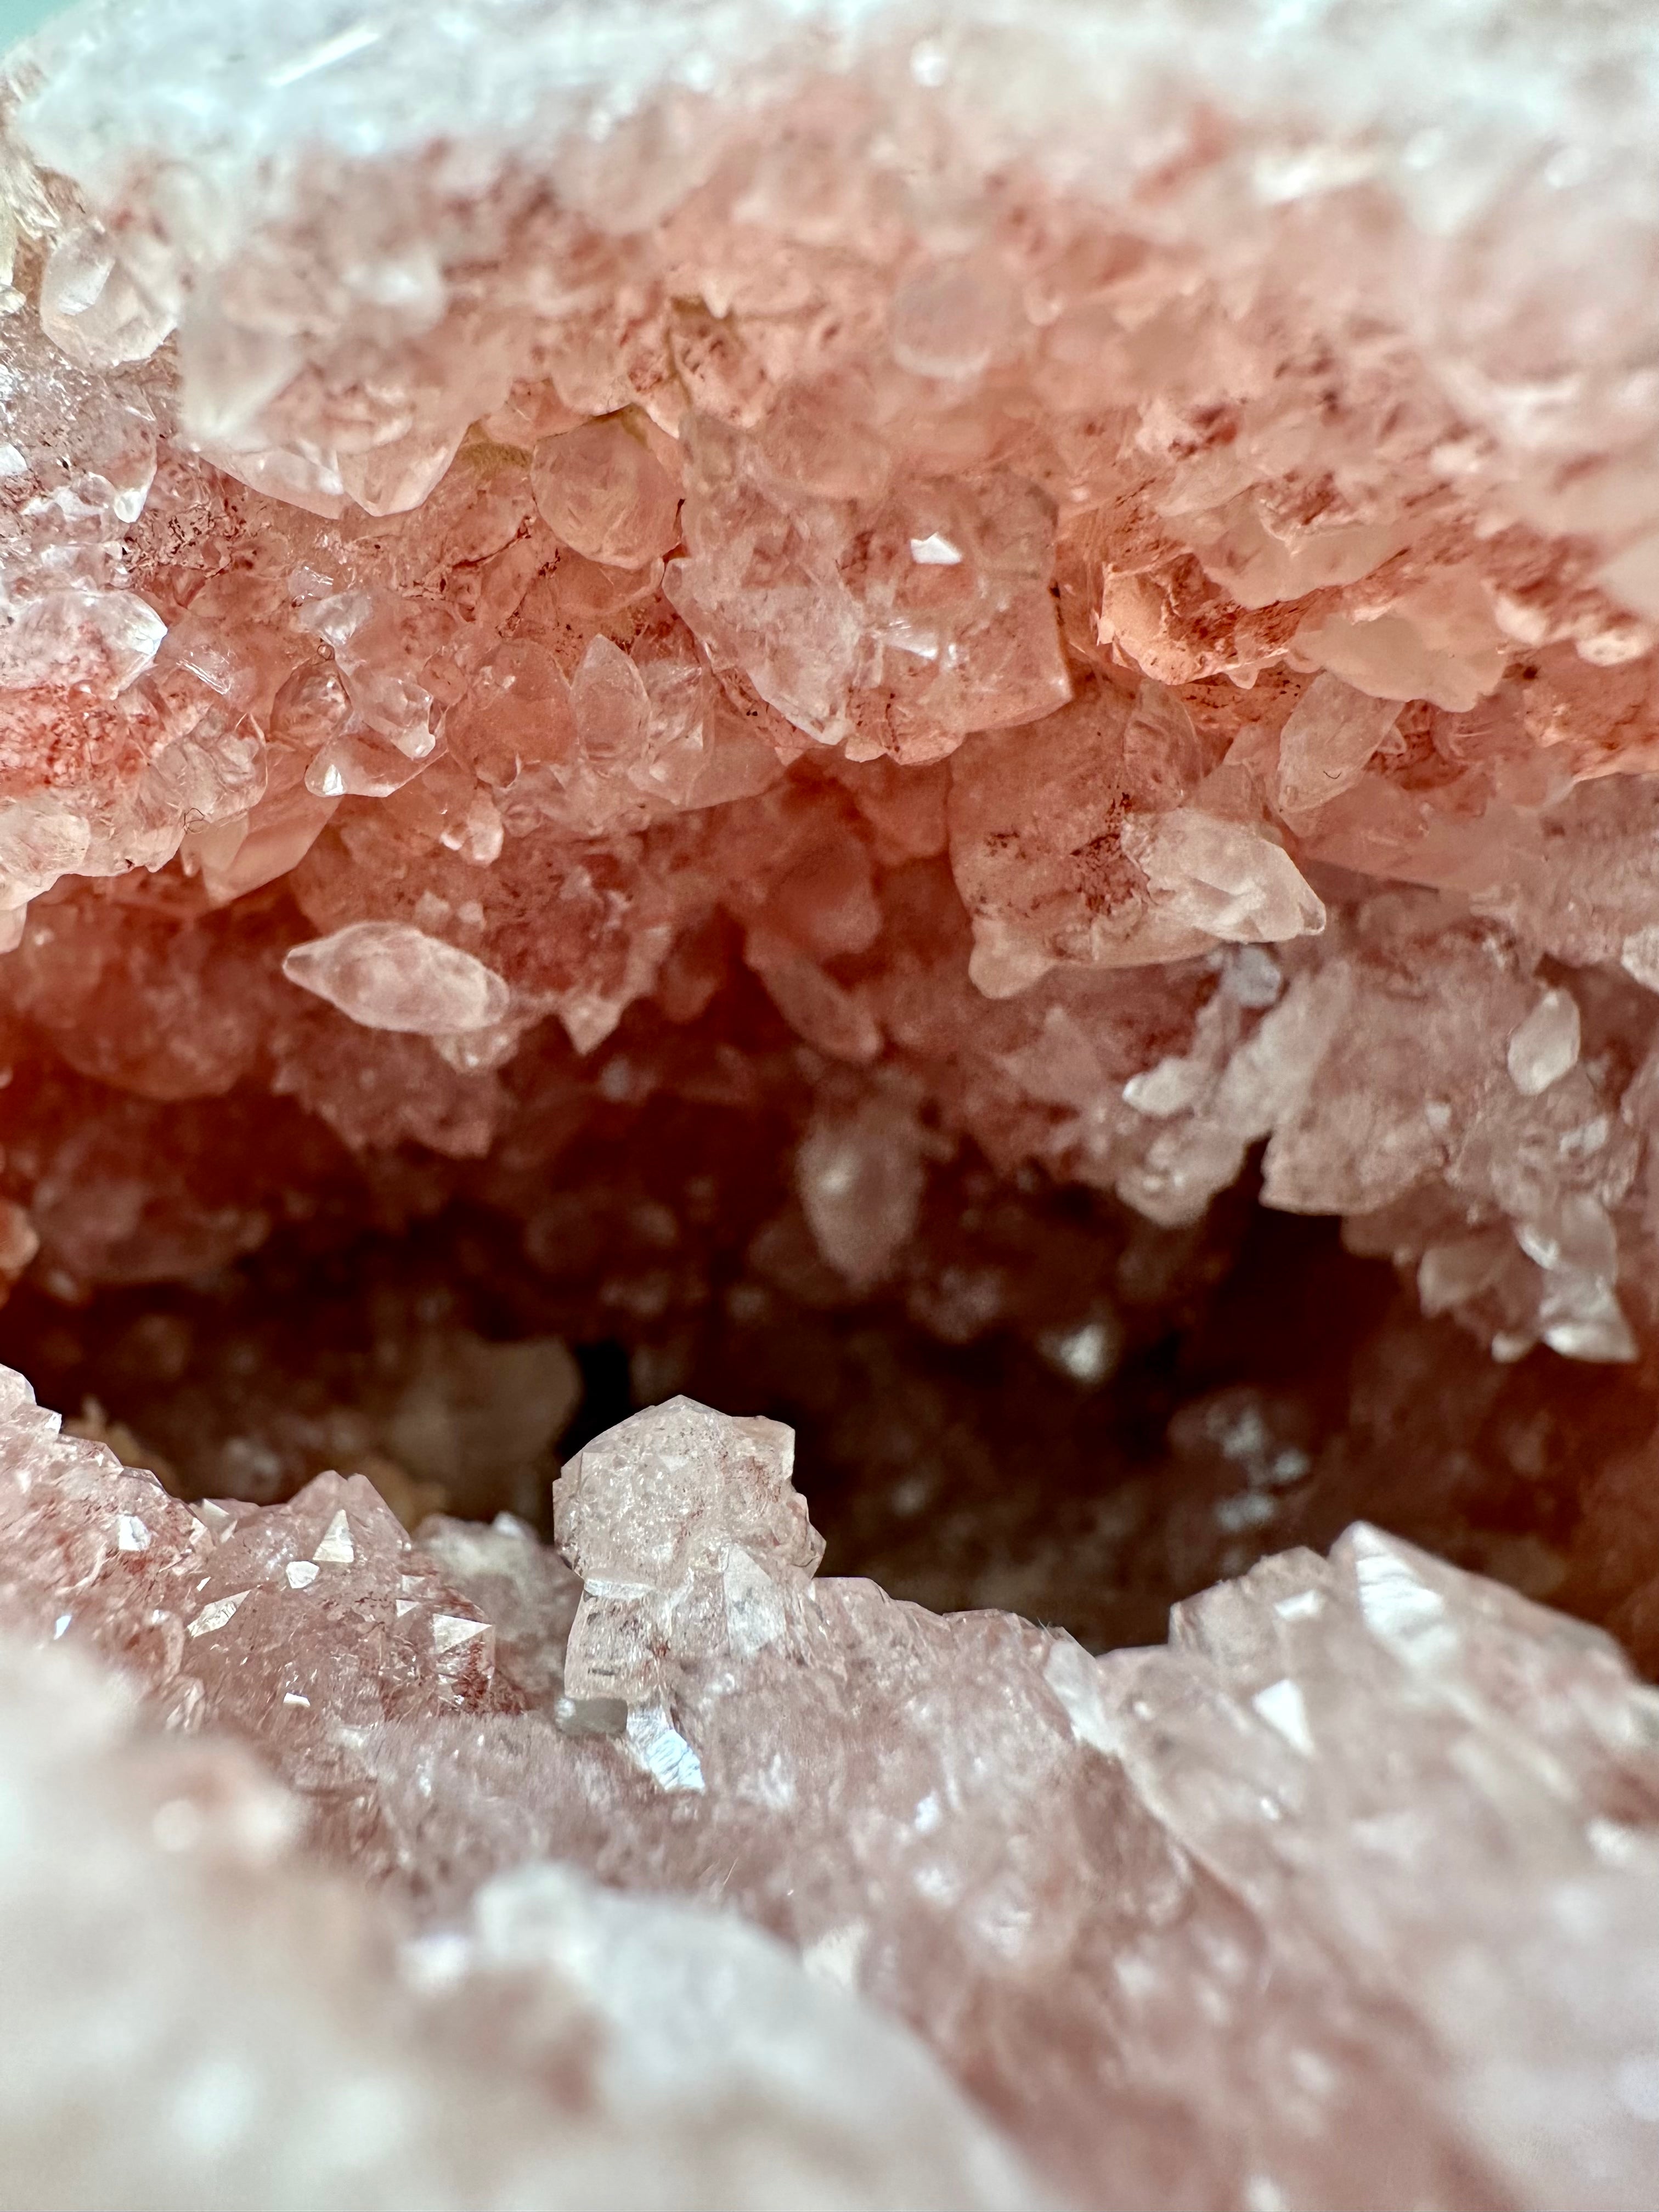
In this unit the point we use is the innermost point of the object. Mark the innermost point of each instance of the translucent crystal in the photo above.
(555, 2039)
(1223, 878)
(386, 976)
(1330, 734)
(602, 492)
(1366, 1784)
(91, 307)
(861, 1181)
(679, 1510)
(782, 683)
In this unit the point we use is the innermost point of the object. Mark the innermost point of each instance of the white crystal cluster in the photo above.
(1346, 1895)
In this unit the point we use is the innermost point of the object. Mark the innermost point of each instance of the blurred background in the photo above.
(17, 17)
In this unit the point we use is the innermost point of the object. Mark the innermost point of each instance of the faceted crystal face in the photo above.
(719, 708)
(675, 1491)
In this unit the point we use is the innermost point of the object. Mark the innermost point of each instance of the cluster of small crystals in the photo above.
(1123, 686)
(248, 2029)
(1345, 1895)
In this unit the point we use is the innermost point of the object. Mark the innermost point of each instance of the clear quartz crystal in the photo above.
(389, 976)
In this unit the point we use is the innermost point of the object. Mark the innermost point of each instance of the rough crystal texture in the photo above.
(522, 519)
(248, 2029)
(1007, 608)
(680, 1516)
(1346, 1894)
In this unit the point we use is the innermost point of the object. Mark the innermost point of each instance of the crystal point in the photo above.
(386, 976)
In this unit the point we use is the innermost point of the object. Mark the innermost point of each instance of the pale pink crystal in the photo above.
(1019, 609)
(1266, 1902)
(681, 1515)
(244, 2025)
(605, 494)
(388, 976)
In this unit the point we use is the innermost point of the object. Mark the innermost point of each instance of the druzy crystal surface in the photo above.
(932, 727)
(1348, 1886)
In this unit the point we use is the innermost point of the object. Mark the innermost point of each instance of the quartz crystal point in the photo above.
(1011, 608)
(681, 1516)
(1345, 1893)
(388, 976)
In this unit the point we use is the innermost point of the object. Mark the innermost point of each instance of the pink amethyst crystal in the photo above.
(788, 691)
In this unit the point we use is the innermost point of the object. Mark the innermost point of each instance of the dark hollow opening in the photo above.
(1052, 1407)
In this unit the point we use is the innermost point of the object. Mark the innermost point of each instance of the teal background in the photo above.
(17, 17)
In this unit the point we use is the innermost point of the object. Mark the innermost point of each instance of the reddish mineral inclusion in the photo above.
(835, 785)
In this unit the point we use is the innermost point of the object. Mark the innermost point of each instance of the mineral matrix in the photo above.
(938, 727)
